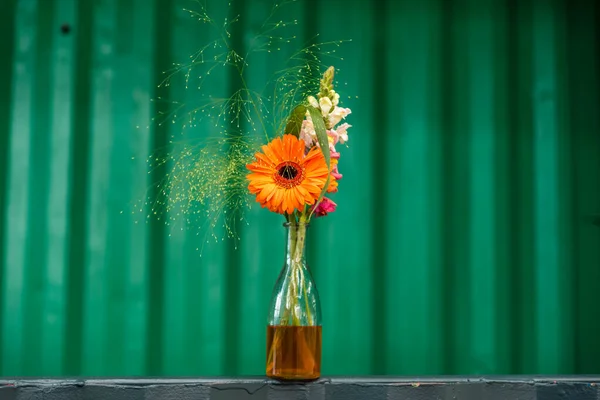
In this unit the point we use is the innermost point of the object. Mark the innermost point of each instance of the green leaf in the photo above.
(320, 197)
(294, 123)
(321, 130)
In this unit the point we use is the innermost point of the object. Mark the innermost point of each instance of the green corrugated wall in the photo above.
(464, 241)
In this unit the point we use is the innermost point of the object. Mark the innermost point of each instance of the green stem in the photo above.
(309, 315)
(300, 242)
(297, 240)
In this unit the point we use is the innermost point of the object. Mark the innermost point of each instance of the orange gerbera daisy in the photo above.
(284, 178)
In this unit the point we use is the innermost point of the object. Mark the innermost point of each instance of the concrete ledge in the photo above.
(350, 388)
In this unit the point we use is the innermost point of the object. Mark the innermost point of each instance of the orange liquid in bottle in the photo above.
(294, 352)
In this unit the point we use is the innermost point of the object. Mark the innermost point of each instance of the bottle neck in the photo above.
(296, 242)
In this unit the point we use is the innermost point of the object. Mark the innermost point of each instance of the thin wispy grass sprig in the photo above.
(216, 135)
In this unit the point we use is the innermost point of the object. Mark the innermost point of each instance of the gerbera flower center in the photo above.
(288, 174)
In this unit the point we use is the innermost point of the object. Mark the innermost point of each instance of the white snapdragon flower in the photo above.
(308, 133)
(342, 132)
(336, 98)
(337, 115)
(326, 105)
(313, 102)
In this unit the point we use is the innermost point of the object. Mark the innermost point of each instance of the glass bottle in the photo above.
(294, 322)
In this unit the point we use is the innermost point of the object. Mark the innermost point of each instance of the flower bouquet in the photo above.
(291, 176)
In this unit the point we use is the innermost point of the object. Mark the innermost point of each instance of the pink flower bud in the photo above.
(325, 206)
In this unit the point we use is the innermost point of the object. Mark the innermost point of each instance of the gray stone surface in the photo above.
(370, 388)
